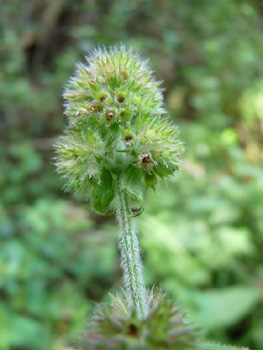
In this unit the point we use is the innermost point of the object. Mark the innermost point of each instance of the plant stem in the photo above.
(211, 346)
(130, 258)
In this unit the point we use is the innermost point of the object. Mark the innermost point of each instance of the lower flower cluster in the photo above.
(112, 326)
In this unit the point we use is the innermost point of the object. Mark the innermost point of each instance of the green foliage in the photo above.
(43, 277)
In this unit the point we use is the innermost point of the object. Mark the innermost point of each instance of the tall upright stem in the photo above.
(130, 258)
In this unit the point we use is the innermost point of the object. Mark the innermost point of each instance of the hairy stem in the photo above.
(211, 346)
(130, 258)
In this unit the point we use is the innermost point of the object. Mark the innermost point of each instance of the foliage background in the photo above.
(202, 236)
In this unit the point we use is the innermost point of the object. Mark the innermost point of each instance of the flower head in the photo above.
(118, 133)
(112, 326)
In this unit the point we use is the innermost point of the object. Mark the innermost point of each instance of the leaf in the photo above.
(225, 307)
(20, 331)
(102, 194)
(131, 183)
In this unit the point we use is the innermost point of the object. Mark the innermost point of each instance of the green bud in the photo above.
(118, 129)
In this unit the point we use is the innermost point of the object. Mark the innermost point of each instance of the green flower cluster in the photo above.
(118, 133)
(112, 326)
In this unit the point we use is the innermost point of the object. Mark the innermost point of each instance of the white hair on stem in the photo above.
(130, 259)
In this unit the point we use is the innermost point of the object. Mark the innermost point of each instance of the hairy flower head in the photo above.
(118, 133)
(112, 326)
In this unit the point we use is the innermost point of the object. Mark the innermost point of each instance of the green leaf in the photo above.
(225, 307)
(131, 183)
(102, 194)
(20, 331)
(151, 181)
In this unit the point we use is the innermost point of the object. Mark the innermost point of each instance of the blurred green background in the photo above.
(202, 236)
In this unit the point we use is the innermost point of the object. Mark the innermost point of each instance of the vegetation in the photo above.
(56, 256)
